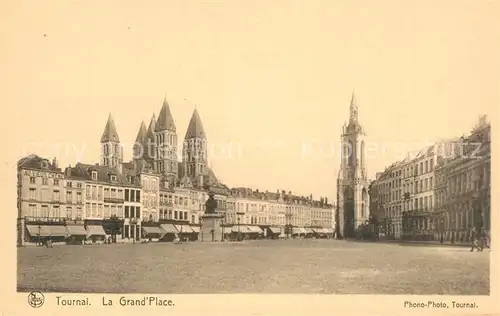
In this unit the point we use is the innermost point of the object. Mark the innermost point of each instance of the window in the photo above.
(44, 181)
(113, 193)
(126, 211)
(56, 181)
(45, 211)
(69, 184)
(78, 185)
(32, 210)
(69, 196)
(78, 197)
(94, 175)
(137, 196)
(55, 196)
(175, 214)
(113, 178)
(32, 195)
(126, 194)
(138, 212)
(69, 212)
(32, 180)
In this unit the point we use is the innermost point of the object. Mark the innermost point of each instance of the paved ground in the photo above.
(281, 266)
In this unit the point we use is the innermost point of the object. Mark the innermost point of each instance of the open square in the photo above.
(263, 266)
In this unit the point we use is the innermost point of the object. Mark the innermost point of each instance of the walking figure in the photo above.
(475, 239)
(485, 239)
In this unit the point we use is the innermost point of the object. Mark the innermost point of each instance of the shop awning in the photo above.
(76, 230)
(328, 230)
(319, 230)
(195, 229)
(254, 229)
(47, 230)
(308, 230)
(152, 230)
(95, 230)
(183, 229)
(240, 228)
(298, 230)
(226, 229)
(168, 228)
(275, 230)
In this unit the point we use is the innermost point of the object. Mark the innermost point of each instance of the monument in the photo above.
(211, 221)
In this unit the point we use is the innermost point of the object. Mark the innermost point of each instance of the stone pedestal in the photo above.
(211, 228)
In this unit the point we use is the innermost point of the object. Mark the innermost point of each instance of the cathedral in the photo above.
(155, 151)
(352, 183)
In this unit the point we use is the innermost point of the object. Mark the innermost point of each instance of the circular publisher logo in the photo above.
(36, 299)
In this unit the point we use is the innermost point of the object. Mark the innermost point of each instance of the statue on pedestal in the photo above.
(210, 204)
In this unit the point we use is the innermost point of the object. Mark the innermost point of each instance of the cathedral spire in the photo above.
(110, 134)
(195, 128)
(141, 135)
(353, 109)
(165, 119)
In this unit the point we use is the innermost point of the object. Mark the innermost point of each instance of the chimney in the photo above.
(68, 171)
(119, 168)
(55, 163)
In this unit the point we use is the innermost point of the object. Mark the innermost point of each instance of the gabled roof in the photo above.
(110, 134)
(165, 119)
(36, 162)
(84, 172)
(195, 128)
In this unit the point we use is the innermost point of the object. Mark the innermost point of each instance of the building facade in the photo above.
(440, 193)
(352, 182)
(117, 201)
(463, 196)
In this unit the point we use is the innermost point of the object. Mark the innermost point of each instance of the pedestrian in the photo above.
(475, 240)
(485, 239)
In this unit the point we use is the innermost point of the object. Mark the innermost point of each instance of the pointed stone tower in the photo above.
(166, 142)
(194, 154)
(111, 151)
(149, 146)
(352, 182)
(138, 148)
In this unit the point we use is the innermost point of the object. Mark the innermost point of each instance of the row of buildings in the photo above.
(117, 200)
(439, 194)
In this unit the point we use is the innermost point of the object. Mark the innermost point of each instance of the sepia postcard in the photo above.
(251, 157)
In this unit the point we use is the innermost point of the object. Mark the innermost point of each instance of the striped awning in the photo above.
(275, 230)
(183, 229)
(195, 229)
(254, 229)
(152, 230)
(308, 230)
(298, 230)
(76, 230)
(47, 230)
(239, 228)
(168, 228)
(95, 230)
(319, 230)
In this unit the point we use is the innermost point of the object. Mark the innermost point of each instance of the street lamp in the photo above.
(39, 237)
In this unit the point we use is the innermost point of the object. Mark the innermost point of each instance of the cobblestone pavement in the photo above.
(267, 266)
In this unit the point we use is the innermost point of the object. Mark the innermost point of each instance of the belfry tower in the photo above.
(194, 157)
(111, 151)
(352, 183)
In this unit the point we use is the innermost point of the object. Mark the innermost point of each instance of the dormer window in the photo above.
(94, 175)
(112, 177)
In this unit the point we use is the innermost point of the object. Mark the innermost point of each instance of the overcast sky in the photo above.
(269, 78)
